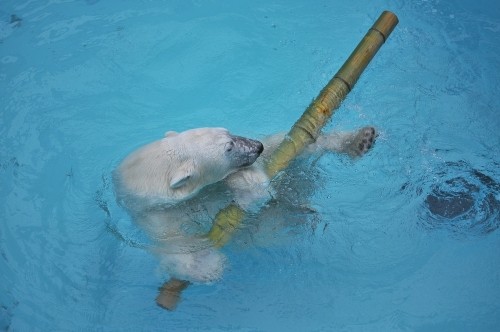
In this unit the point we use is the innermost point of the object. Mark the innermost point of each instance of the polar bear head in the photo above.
(179, 165)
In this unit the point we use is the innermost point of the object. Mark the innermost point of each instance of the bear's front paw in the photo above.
(361, 142)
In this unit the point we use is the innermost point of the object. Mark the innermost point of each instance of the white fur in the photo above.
(177, 166)
(153, 182)
(158, 184)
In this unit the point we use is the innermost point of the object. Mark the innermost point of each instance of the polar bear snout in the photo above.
(244, 151)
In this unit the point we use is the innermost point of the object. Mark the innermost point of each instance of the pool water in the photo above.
(405, 238)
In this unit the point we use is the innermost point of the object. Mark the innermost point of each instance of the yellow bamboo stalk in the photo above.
(304, 132)
(226, 222)
(308, 127)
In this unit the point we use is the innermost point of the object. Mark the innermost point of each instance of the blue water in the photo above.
(404, 239)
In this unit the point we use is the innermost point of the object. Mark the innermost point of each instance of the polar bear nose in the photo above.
(248, 145)
(260, 147)
(246, 150)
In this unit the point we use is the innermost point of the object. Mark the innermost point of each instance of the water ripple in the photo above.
(464, 200)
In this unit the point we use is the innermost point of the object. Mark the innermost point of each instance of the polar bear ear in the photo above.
(182, 175)
(171, 134)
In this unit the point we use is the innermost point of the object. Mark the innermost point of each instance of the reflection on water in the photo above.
(463, 200)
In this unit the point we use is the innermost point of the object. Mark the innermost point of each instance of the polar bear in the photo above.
(174, 186)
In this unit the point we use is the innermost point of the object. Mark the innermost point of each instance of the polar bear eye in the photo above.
(229, 146)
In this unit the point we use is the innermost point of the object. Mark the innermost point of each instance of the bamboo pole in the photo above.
(305, 131)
